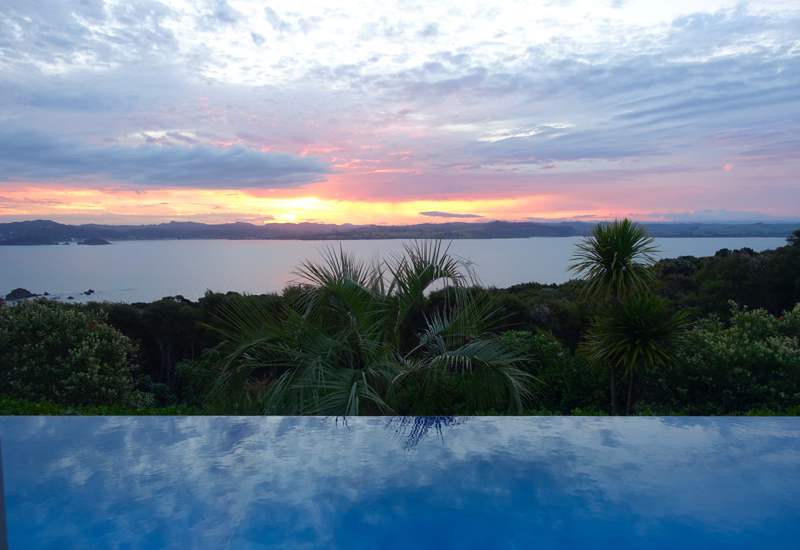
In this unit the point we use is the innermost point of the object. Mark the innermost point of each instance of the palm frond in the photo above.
(337, 350)
(615, 260)
(425, 263)
(491, 366)
(637, 332)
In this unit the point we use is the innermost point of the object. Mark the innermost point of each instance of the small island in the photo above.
(20, 294)
(94, 241)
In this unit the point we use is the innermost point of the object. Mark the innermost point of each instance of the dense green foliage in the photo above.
(768, 280)
(616, 260)
(635, 334)
(21, 407)
(567, 381)
(54, 352)
(353, 344)
(751, 363)
(720, 368)
(634, 329)
(748, 365)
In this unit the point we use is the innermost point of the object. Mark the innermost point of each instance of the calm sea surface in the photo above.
(443, 483)
(144, 271)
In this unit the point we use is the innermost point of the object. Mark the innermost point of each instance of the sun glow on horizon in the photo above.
(125, 206)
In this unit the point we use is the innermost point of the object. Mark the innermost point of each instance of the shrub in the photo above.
(20, 407)
(69, 357)
(198, 376)
(567, 381)
(752, 364)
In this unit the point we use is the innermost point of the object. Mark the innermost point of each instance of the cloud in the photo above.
(675, 91)
(29, 154)
(711, 461)
(84, 34)
(26, 200)
(218, 12)
(429, 31)
(275, 21)
(435, 214)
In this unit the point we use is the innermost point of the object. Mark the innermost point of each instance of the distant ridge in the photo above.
(48, 232)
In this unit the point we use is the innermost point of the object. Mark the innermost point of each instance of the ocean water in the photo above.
(439, 483)
(144, 271)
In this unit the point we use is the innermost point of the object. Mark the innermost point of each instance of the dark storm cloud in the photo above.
(33, 155)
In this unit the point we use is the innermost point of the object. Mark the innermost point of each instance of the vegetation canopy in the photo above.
(53, 351)
(616, 259)
(357, 342)
(637, 331)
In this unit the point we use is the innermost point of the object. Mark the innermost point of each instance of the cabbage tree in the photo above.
(637, 333)
(615, 261)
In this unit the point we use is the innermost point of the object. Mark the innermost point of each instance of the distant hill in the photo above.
(47, 232)
(27, 239)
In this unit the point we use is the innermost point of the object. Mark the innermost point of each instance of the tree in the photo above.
(349, 345)
(637, 334)
(750, 362)
(794, 238)
(55, 352)
(616, 261)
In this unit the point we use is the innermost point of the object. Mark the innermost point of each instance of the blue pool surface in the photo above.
(232, 483)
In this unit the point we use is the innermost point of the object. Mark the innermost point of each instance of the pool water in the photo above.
(405, 483)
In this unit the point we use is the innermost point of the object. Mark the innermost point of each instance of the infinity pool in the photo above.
(405, 483)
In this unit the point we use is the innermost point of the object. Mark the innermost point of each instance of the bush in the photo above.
(752, 364)
(567, 381)
(69, 357)
(198, 376)
(20, 407)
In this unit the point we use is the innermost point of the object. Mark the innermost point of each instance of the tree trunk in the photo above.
(614, 400)
(631, 393)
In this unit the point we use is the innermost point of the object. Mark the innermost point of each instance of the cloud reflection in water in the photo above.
(306, 482)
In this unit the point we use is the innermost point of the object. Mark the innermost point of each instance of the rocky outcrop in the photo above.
(19, 294)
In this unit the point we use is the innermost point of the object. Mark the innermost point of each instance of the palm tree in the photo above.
(636, 334)
(352, 343)
(615, 261)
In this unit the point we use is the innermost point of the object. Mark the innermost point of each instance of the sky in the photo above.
(215, 111)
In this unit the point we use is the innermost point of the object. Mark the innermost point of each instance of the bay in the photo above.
(144, 271)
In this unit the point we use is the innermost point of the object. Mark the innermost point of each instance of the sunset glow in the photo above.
(222, 111)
